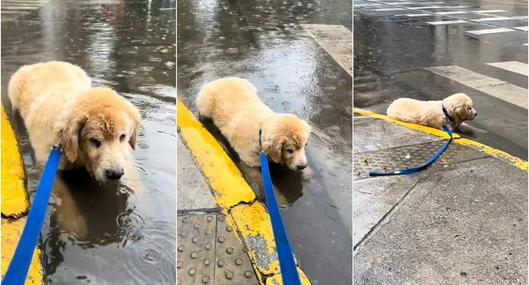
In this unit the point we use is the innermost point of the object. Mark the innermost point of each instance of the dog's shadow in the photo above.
(288, 184)
(93, 213)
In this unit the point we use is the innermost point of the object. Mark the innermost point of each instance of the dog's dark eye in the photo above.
(122, 137)
(95, 142)
(290, 151)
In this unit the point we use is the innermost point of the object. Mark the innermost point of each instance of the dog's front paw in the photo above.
(306, 174)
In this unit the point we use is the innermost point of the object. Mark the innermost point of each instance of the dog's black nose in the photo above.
(114, 173)
(301, 167)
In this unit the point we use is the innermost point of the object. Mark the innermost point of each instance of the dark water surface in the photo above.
(391, 52)
(121, 233)
(263, 41)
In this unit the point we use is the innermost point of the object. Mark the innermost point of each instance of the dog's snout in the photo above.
(301, 166)
(114, 173)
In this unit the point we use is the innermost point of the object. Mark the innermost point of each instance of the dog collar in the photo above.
(447, 115)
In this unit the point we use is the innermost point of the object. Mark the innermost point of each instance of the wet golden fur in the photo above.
(430, 113)
(233, 105)
(93, 125)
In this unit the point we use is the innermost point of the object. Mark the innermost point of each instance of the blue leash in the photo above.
(19, 265)
(419, 168)
(287, 265)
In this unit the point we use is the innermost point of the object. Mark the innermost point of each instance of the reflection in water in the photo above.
(117, 233)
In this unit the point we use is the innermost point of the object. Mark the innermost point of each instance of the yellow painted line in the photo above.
(490, 151)
(513, 160)
(233, 195)
(11, 231)
(14, 196)
(15, 202)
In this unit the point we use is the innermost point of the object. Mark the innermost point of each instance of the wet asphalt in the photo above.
(264, 43)
(122, 233)
(391, 52)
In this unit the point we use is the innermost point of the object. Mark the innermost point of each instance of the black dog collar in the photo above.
(447, 115)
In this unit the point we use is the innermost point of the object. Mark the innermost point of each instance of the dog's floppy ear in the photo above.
(69, 131)
(273, 147)
(136, 118)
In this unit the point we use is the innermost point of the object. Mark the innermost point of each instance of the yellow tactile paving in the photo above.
(514, 161)
(14, 196)
(233, 195)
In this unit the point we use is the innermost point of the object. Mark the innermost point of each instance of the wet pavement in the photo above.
(461, 221)
(105, 234)
(265, 43)
(393, 46)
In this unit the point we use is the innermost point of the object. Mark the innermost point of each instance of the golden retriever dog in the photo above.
(234, 107)
(451, 111)
(93, 125)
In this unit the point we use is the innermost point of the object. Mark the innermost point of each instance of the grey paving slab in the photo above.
(374, 198)
(372, 135)
(192, 189)
(463, 226)
(336, 40)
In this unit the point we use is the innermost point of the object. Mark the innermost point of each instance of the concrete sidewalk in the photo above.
(461, 221)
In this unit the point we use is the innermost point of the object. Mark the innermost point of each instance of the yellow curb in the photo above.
(253, 223)
(223, 176)
(232, 194)
(276, 279)
(513, 160)
(11, 231)
(490, 151)
(15, 200)
(420, 128)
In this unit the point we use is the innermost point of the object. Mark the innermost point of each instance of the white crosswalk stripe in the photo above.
(367, 5)
(13, 9)
(488, 85)
(425, 7)
(489, 19)
(489, 31)
(436, 23)
(388, 9)
(416, 15)
(451, 13)
(512, 66)
(522, 28)
(488, 11)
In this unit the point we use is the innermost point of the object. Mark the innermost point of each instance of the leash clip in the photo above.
(57, 147)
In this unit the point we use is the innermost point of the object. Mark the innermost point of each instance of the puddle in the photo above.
(264, 43)
(105, 234)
